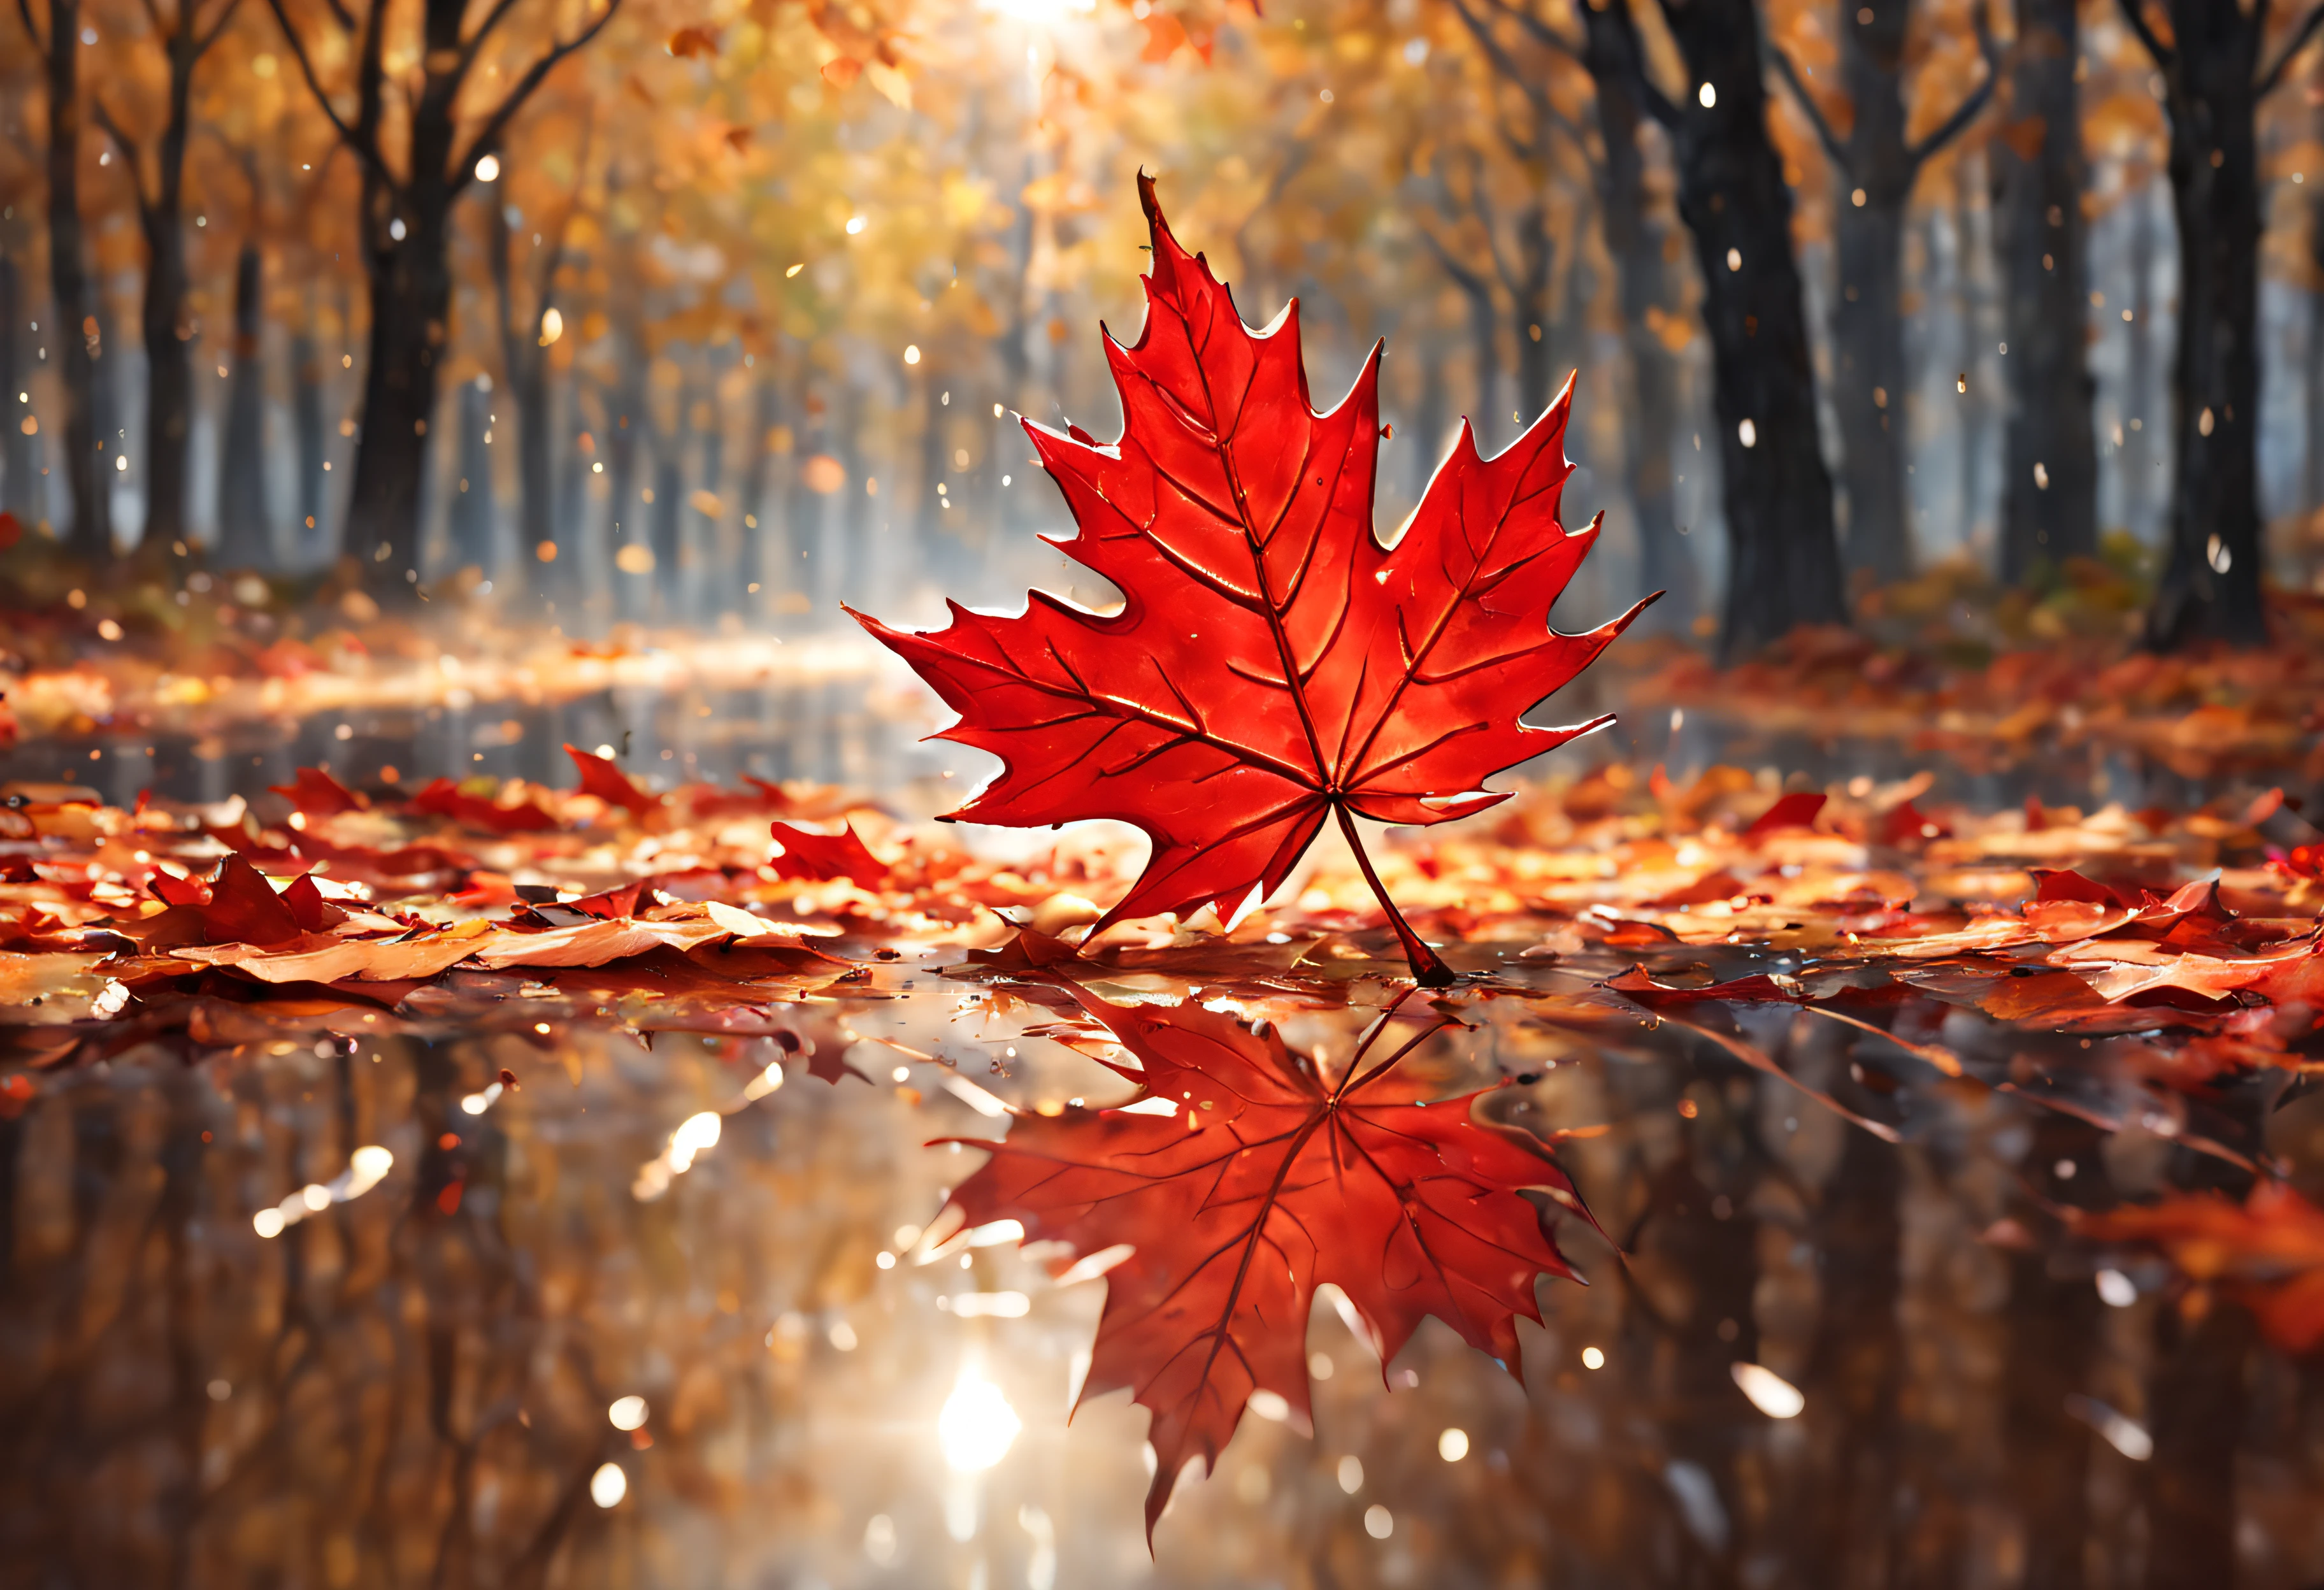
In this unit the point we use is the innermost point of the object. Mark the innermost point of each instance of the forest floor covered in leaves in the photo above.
(1985, 1134)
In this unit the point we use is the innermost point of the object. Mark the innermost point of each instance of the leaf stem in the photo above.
(1428, 968)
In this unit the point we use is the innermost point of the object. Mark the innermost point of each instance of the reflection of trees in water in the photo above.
(412, 1388)
(409, 1388)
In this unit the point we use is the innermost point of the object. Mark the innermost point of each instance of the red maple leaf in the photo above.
(1242, 1178)
(825, 856)
(1273, 665)
(444, 798)
(318, 795)
(608, 783)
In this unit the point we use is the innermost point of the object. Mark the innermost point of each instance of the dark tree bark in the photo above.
(310, 425)
(664, 527)
(2053, 1340)
(1847, 1532)
(524, 343)
(1529, 294)
(245, 526)
(20, 458)
(77, 338)
(2142, 433)
(708, 580)
(2214, 77)
(625, 515)
(1429, 430)
(1875, 166)
(753, 567)
(2049, 504)
(576, 556)
(474, 534)
(161, 216)
(1635, 243)
(406, 223)
(1484, 336)
(1697, 1229)
(1783, 555)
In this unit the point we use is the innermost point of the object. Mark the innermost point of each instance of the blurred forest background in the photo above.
(699, 310)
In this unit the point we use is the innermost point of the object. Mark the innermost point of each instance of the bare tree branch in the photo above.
(1540, 31)
(365, 148)
(1967, 110)
(468, 52)
(1807, 107)
(2135, 17)
(1468, 281)
(2271, 78)
(226, 15)
(129, 154)
(488, 136)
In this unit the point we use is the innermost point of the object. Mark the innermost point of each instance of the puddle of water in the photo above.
(423, 1377)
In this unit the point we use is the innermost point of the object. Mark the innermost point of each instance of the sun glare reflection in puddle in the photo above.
(367, 1167)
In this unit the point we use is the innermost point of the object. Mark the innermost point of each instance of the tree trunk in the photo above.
(245, 527)
(665, 527)
(1484, 340)
(524, 384)
(76, 305)
(1634, 244)
(1858, 1365)
(709, 583)
(2053, 1340)
(169, 357)
(625, 523)
(753, 567)
(2196, 1401)
(803, 512)
(2210, 586)
(1975, 329)
(1868, 329)
(533, 418)
(2049, 506)
(2142, 433)
(474, 543)
(1784, 558)
(20, 463)
(411, 306)
(1701, 1233)
(310, 425)
(1536, 262)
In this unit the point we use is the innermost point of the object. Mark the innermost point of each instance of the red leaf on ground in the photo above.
(318, 795)
(307, 908)
(244, 908)
(608, 783)
(443, 798)
(1273, 667)
(1906, 823)
(1260, 1182)
(825, 856)
(2073, 886)
(1796, 810)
